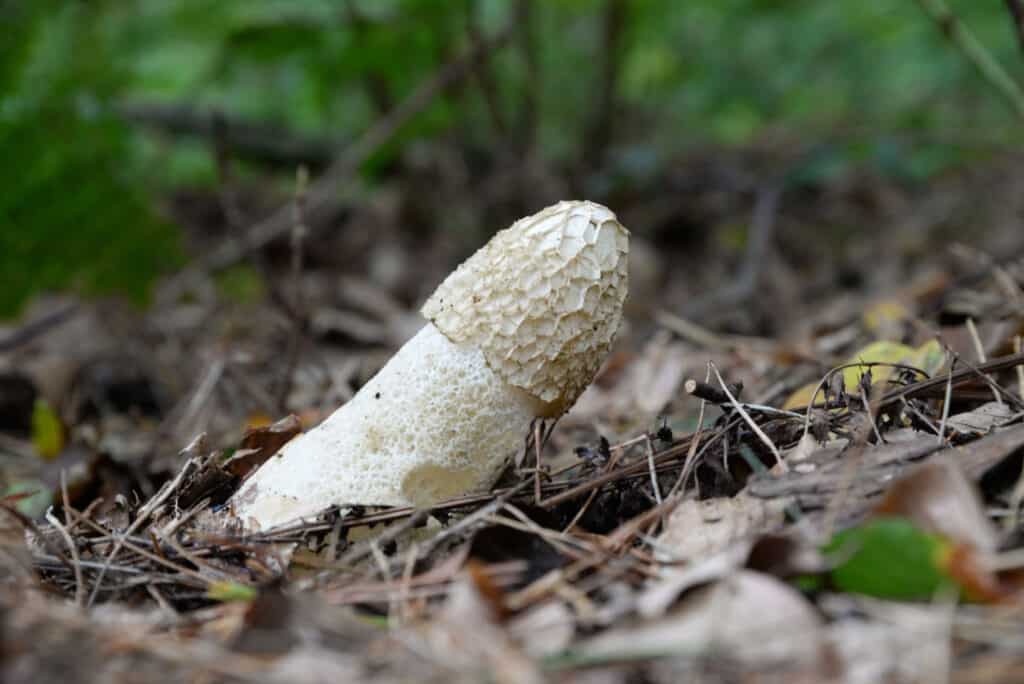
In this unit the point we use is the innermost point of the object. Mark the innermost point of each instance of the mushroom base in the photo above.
(434, 423)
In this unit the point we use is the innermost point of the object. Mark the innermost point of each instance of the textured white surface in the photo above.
(542, 300)
(433, 423)
(518, 331)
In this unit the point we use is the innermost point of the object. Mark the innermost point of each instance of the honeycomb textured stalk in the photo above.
(517, 332)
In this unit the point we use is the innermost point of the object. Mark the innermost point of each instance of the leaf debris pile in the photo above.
(840, 502)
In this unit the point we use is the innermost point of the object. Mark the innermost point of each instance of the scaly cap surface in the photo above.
(542, 300)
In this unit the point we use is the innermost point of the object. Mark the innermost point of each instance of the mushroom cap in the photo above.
(542, 300)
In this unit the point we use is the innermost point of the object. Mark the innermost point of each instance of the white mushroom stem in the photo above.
(515, 333)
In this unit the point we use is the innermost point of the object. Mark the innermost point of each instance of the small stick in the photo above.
(144, 513)
(979, 349)
(994, 386)
(923, 418)
(706, 392)
(161, 600)
(358, 551)
(690, 464)
(76, 562)
(593, 494)
(69, 512)
(297, 306)
(654, 473)
(404, 601)
(474, 518)
(962, 375)
(871, 414)
(946, 401)
(887, 398)
(750, 421)
(137, 549)
(1020, 369)
(537, 432)
(975, 52)
(565, 543)
(36, 327)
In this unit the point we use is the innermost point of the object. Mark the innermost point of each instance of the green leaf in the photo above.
(890, 558)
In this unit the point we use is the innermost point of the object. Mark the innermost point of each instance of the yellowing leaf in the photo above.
(929, 357)
(230, 591)
(47, 431)
(885, 316)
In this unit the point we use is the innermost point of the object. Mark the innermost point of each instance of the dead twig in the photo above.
(482, 72)
(76, 562)
(297, 309)
(147, 510)
(654, 473)
(946, 402)
(599, 133)
(527, 45)
(706, 392)
(37, 327)
(1020, 369)
(755, 428)
(979, 349)
(759, 240)
(243, 138)
(975, 52)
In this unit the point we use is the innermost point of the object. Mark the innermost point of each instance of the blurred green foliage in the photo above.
(874, 81)
(72, 212)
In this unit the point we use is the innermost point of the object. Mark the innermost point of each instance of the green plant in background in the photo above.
(71, 212)
(867, 84)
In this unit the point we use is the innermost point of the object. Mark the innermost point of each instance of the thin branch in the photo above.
(979, 349)
(750, 421)
(1020, 369)
(298, 310)
(76, 562)
(601, 127)
(482, 72)
(533, 83)
(374, 82)
(34, 328)
(654, 472)
(946, 402)
(959, 377)
(147, 510)
(975, 52)
(759, 240)
(251, 140)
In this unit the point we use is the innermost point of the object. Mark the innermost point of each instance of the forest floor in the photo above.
(802, 461)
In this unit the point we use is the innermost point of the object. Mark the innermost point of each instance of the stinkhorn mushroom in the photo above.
(516, 333)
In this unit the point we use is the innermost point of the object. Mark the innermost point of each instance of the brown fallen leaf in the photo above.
(261, 443)
(466, 635)
(752, 618)
(697, 529)
(938, 497)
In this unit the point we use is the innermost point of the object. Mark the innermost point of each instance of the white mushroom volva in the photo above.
(517, 332)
